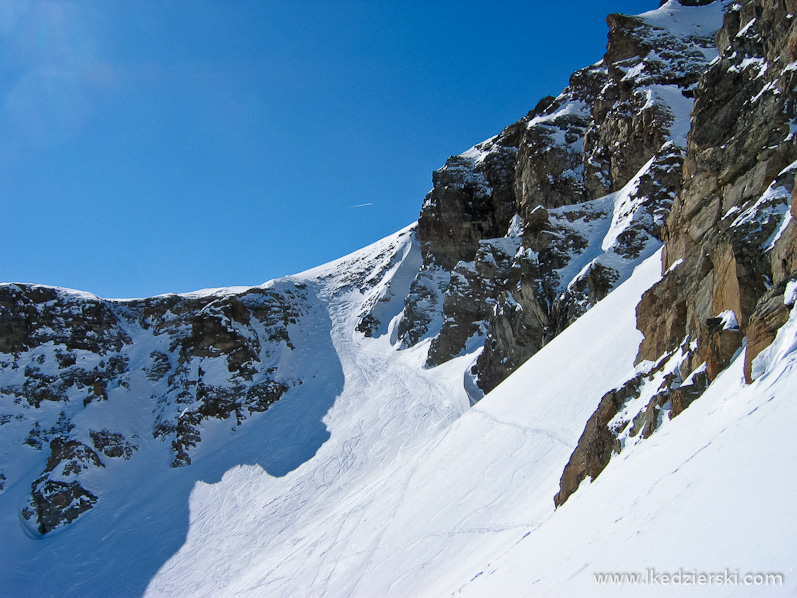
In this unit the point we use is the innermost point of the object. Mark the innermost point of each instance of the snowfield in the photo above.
(706, 494)
(412, 495)
(376, 479)
(468, 509)
(395, 503)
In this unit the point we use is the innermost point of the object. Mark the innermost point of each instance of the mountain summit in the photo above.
(573, 375)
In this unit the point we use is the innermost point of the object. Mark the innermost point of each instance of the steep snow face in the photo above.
(107, 480)
(705, 495)
(394, 501)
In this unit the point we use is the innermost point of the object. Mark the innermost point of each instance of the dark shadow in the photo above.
(142, 519)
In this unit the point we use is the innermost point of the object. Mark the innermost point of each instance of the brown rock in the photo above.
(685, 395)
(718, 347)
(597, 442)
(738, 146)
(54, 503)
(769, 316)
(75, 456)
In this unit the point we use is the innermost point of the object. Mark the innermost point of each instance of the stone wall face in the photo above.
(542, 188)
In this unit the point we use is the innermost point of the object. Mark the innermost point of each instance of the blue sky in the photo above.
(153, 146)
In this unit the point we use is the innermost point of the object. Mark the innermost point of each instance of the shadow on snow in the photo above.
(144, 520)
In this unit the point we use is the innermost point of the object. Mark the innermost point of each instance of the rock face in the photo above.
(729, 240)
(730, 235)
(630, 413)
(596, 445)
(60, 352)
(87, 384)
(682, 136)
(524, 232)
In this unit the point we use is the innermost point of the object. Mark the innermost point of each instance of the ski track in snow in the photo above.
(527, 429)
(405, 480)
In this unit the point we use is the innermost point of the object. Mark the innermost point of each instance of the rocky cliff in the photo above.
(61, 354)
(81, 376)
(729, 239)
(526, 231)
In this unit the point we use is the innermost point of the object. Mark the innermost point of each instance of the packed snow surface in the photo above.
(705, 495)
(394, 499)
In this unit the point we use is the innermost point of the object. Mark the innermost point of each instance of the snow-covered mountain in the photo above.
(578, 362)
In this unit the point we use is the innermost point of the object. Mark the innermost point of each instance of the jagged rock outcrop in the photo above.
(222, 348)
(61, 352)
(632, 412)
(55, 503)
(730, 235)
(597, 443)
(729, 240)
(56, 497)
(472, 199)
(87, 384)
(583, 184)
(470, 297)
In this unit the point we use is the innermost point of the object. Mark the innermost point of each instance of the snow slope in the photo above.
(708, 493)
(394, 500)
(412, 494)
(360, 400)
(469, 508)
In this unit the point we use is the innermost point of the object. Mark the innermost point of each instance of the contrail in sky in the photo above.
(362, 205)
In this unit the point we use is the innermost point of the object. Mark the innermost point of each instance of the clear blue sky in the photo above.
(153, 146)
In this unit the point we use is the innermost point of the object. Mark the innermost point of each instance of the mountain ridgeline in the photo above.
(681, 137)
